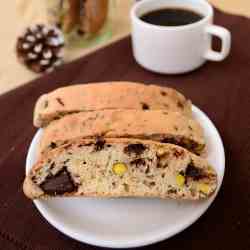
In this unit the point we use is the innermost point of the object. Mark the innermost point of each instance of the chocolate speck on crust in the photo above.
(59, 184)
(52, 145)
(163, 93)
(136, 148)
(180, 105)
(59, 100)
(145, 106)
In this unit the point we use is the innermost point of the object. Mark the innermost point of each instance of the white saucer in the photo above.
(129, 222)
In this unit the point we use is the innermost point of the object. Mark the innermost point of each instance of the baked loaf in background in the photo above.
(120, 168)
(93, 14)
(157, 125)
(88, 16)
(108, 95)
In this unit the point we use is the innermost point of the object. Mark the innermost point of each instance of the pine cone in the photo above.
(40, 48)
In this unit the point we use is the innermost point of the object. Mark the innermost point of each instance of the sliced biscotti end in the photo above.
(108, 95)
(121, 168)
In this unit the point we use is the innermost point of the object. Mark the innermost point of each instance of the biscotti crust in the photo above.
(107, 95)
(158, 125)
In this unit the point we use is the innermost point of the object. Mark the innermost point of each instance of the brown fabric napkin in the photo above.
(222, 90)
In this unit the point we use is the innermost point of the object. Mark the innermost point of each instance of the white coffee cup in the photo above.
(176, 49)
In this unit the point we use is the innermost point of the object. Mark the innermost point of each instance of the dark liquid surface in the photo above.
(171, 17)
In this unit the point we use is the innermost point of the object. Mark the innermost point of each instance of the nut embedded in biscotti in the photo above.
(204, 188)
(180, 180)
(40, 48)
(119, 169)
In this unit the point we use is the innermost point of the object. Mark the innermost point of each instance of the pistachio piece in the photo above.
(180, 180)
(119, 168)
(204, 188)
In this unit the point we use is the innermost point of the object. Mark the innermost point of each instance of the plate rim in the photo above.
(133, 243)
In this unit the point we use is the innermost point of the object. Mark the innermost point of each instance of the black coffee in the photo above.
(171, 17)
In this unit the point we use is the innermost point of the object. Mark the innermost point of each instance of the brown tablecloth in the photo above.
(222, 90)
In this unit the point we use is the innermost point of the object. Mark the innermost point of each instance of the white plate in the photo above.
(129, 222)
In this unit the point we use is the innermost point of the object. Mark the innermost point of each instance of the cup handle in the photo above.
(225, 37)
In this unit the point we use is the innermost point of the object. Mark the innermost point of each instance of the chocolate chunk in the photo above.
(59, 100)
(182, 173)
(147, 170)
(193, 172)
(180, 105)
(169, 140)
(136, 148)
(52, 165)
(59, 25)
(99, 145)
(145, 106)
(172, 191)
(59, 184)
(163, 93)
(138, 162)
(66, 161)
(52, 145)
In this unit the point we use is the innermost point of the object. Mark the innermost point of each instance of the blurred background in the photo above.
(20, 14)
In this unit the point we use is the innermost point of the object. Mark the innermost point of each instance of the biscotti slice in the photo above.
(121, 168)
(107, 95)
(157, 125)
(71, 17)
(93, 14)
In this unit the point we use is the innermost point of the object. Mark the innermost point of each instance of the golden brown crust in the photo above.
(151, 124)
(107, 95)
